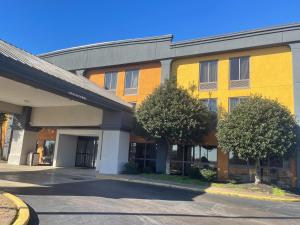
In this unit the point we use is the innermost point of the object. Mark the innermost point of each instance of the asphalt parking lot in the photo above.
(75, 196)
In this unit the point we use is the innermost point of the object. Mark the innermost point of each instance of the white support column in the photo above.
(114, 151)
(23, 142)
(65, 150)
(23, 138)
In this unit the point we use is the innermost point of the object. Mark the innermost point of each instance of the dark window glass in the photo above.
(208, 154)
(151, 151)
(140, 150)
(239, 68)
(233, 102)
(131, 80)
(234, 69)
(208, 71)
(204, 72)
(48, 151)
(211, 104)
(110, 80)
(213, 71)
(144, 154)
(244, 65)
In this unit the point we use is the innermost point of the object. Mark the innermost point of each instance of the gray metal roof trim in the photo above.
(161, 38)
(36, 63)
(237, 35)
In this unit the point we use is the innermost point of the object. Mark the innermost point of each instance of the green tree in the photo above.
(172, 114)
(3, 118)
(256, 129)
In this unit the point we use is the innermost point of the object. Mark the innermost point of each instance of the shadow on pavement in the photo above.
(34, 219)
(108, 188)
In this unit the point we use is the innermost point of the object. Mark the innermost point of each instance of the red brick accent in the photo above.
(293, 170)
(222, 165)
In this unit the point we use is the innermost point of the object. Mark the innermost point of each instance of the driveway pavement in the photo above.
(75, 196)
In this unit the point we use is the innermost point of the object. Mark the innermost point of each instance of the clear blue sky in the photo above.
(45, 25)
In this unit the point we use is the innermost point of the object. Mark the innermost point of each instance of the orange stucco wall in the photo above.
(149, 79)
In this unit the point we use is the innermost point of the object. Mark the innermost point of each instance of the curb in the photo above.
(214, 192)
(23, 215)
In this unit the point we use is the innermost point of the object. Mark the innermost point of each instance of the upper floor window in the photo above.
(239, 72)
(233, 102)
(211, 104)
(208, 74)
(131, 82)
(110, 81)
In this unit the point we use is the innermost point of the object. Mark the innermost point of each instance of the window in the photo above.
(233, 102)
(110, 81)
(144, 155)
(235, 160)
(208, 155)
(211, 104)
(185, 157)
(131, 82)
(48, 151)
(208, 74)
(239, 72)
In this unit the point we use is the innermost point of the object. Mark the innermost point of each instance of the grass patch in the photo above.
(174, 178)
(278, 192)
(235, 187)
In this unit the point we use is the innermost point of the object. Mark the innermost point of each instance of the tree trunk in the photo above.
(183, 156)
(168, 158)
(249, 172)
(258, 172)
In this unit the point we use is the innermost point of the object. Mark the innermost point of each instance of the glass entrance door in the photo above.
(86, 152)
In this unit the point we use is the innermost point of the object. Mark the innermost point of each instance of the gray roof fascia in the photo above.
(135, 41)
(268, 37)
(158, 48)
(21, 66)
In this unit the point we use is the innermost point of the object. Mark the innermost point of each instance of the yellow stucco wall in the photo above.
(149, 79)
(270, 75)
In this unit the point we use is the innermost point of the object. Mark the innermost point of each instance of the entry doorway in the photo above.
(86, 152)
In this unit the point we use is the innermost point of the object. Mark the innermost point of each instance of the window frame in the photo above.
(209, 72)
(239, 74)
(209, 99)
(239, 99)
(208, 85)
(105, 78)
(131, 90)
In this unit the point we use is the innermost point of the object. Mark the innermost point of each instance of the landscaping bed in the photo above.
(260, 189)
(8, 211)
(263, 191)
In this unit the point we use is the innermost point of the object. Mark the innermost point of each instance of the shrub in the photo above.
(174, 116)
(208, 174)
(258, 128)
(193, 172)
(131, 168)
